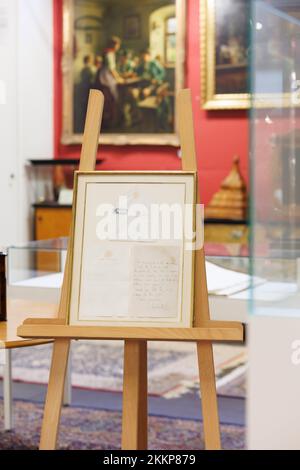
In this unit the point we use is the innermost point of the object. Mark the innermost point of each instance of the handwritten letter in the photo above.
(155, 281)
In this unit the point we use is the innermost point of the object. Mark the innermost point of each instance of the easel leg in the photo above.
(67, 398)
(135, 399)
(7, 391)
(55, 394)
(208, 396)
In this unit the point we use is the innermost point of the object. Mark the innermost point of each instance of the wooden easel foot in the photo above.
(208, 396)
(135, 399)
(55, 394)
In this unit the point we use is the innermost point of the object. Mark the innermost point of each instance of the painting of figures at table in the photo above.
(128, 49)
(225, 52)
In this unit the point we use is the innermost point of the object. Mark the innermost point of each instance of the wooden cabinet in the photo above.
(226, 233)
(51, 222)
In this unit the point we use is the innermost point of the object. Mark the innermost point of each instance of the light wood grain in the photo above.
(210, 412)
(17, 311)
(213, 331)
(55, 393)
(19, 342)
(201, 306)
(135, 400)
(186, 131)
(61, 346)
(44, 321)
(87, 163)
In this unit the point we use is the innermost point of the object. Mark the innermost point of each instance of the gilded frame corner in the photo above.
(210, 99)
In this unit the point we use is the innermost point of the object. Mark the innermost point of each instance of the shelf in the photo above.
(51, 205)
(226, 221)
(59, 161)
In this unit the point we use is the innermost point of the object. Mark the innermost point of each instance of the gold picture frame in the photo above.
(103, 290)
(211, 98)
(69, 136)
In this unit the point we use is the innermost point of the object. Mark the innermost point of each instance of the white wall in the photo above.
(8, 122)
(36, 78)
(26, 117)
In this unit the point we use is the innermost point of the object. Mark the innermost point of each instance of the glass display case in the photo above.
(51, 181)
(50, 189)
(275, 156)
(35, 270)
(35, 273)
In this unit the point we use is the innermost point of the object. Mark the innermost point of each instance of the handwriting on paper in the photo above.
(155, 281)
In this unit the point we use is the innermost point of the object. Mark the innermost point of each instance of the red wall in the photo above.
(219, 134)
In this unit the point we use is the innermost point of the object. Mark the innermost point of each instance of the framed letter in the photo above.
(131, 264)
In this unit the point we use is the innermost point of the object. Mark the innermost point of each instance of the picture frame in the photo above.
(275, 69)
(224, 54)
(136, 121)
(129, 281)
(132, 26)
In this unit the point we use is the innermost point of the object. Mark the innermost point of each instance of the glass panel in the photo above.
(49, 182)
(170, 40)
(36, 261)
(275, 154)
(171, 25)
(171, 49)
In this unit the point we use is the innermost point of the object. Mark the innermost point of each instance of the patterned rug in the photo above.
(83, 428)
(234, 384)
(99, 365)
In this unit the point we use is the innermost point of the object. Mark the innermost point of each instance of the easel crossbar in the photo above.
(210, 331)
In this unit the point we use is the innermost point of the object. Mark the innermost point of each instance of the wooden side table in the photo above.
(17, 311)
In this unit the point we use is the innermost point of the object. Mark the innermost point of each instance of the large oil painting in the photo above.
(225, 45)
(133, 51)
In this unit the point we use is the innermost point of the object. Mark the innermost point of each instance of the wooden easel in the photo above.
(204, 332)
